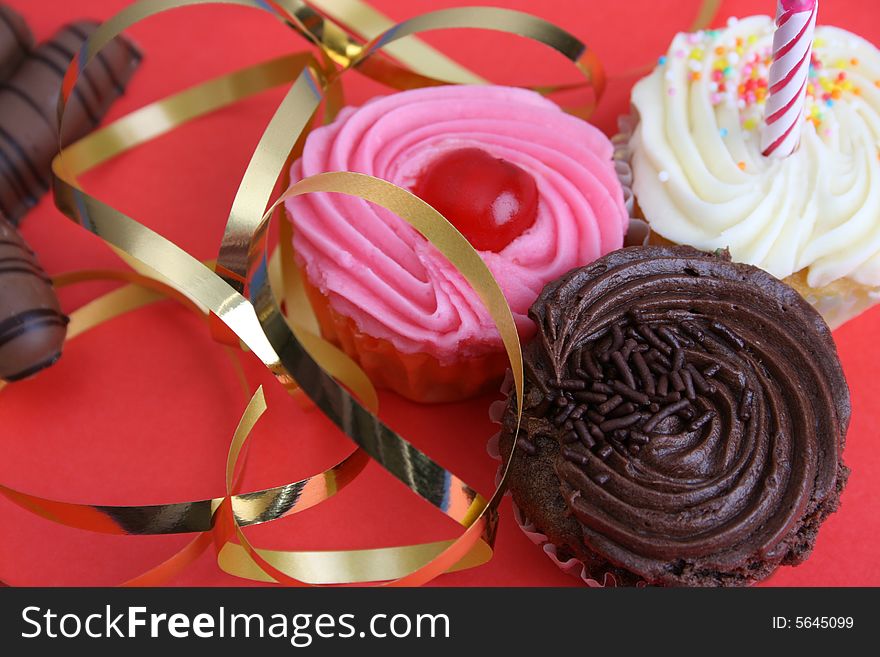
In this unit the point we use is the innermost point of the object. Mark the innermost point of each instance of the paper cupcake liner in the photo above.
(419, 377)
(639, 232)
(573, 567)
(838, 302)
(570, 566)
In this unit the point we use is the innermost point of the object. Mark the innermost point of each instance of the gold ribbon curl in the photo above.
(246, 294)
(260, 325)
(250, 508)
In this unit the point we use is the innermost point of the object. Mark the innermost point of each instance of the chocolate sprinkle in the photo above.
(620, 422)
(663, 413)
(690, 393)
(677, 359)
(610, 405)
(624, 409)
(653, 340)
(595, 417)
(667, 334)
(638, 438)
(677, 381)
(578, 412)
(648, 380)
(570, 437)
(575, 456)
(630, 392)
(590, 397)
(702, 385)
(617, 335)
(623, 369)
(590, 365)
(663, 385)
(563, 415)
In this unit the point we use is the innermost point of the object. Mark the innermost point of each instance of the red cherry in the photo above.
(491, 201)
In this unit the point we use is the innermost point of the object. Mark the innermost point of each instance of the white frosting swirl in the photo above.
(700, 178)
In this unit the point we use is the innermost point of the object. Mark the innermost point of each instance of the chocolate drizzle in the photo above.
(16, 40)
(28, 107)
(711, 435)
(32, 326)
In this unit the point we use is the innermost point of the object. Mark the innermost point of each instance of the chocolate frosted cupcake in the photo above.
(684, 420)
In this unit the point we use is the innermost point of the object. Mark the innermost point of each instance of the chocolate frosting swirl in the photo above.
(699, 409)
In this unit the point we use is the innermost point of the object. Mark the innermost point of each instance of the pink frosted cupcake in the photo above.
(535, 191)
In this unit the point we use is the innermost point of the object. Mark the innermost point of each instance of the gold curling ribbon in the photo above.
(187, 516)
(424, 66)
(439, 233)
(246, 223)
(427, 64)
(261, 331)
(180, 517)
(420, 58)
(705, 15)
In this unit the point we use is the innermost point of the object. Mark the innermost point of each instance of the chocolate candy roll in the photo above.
(28, 110)
(32, 326)
(16, 40)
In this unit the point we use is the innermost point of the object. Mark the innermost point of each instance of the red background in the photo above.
(141, 410)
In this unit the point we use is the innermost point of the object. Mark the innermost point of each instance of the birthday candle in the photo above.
(792, 47)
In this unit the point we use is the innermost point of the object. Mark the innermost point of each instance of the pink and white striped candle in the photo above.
(792, 47)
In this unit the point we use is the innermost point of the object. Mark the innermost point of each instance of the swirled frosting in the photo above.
(701, 180)
(379, 271)
(695, 410)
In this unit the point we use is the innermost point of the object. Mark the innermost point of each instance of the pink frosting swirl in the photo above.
(377, 270)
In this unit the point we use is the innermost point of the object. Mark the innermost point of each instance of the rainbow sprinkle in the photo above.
(735, 72)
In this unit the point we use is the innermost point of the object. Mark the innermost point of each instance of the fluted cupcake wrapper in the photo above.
(567, 564)
(419, 377)
(639, 232)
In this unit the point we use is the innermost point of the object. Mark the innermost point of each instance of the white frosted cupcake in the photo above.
(813, 218)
